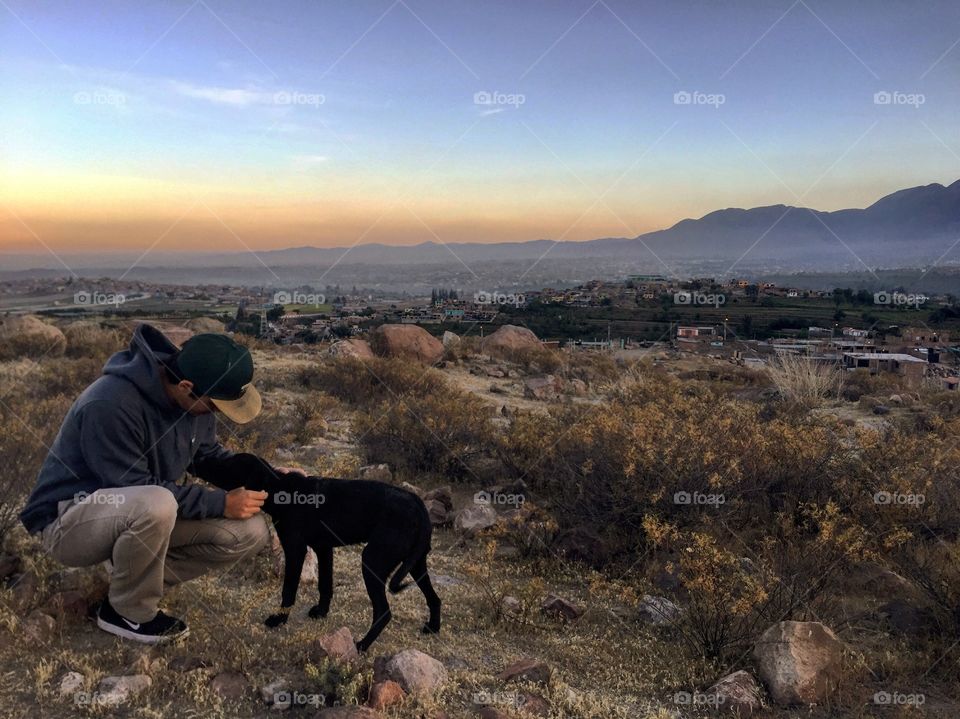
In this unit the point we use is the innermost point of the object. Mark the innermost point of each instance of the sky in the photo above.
(214, 125)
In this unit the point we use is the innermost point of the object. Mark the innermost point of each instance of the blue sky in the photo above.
(330, 123)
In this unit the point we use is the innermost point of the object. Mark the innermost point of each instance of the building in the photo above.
(904, 365)
(695, 332)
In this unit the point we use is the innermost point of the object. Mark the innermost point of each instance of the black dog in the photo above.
(323, 513)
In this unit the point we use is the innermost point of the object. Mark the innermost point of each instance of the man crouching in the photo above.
(110, 487)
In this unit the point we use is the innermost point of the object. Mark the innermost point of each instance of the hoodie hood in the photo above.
(139, 364)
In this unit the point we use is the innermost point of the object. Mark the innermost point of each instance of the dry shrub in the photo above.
(441, 432)
(93, 341)
(804, 382)
(860, 382)
(32, 346)
(368, 382)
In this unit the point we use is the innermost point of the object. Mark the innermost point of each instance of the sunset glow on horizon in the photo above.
(212, 126)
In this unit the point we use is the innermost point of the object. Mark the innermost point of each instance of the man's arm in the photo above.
(113, 442)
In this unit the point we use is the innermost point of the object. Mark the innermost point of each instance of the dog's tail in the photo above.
(420, 549)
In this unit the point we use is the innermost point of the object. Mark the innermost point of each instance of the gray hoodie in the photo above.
(124, 431)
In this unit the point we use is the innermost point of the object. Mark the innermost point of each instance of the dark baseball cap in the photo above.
(222, 370)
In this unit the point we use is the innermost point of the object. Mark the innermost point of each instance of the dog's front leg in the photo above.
(293, 556)
(324, 582)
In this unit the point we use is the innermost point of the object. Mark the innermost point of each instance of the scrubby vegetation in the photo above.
(740, 507)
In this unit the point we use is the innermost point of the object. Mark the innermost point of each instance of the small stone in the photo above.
(657, 611)
(738, 693)
(376, 472)
(336, 645)
(471, 520)
(70, 683)
(114, 691)
(527, 669)
(230, 685)
(439, 514)
(39, 627)
(510, 605)
(385, 694)
(442, 495)
(533, 704)
(275, 692)
(416, 672)
(561, 608)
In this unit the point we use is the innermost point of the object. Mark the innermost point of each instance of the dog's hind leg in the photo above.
(377, 567)
(422, 578)
(324, 581)
(293, 556)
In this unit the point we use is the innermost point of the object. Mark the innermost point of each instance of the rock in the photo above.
(70, 683)
(800, 662)
(205, 325)
(114, 691)
(881, 409)
(406, 342)
(39, 627)
(508, 340)
(70, 604)
(544, 388)
(43, 340)
(336, 645)
(494, 372)
(9, 564)
(358, 349)
(349, 712)
(534, 704)
(471, 520)
(657, 611)
(231, 686)
(581, 544)
(444, 580)
(416, 672)
(577, 387)
(376, 472)
(510, 605)
(411, 488)
(450, 339)
(491, 713)
(738, 694)
(561, 608)
(439, 514)
(527, 669)
(442, 495)
(276, 693)
(385, 694)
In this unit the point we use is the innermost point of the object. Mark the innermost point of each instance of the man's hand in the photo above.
(243, 503)
(288, 470)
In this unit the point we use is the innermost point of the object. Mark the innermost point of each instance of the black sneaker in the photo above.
(162, 628)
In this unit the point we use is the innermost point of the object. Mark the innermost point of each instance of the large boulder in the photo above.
(204, 325)
(416, 672)
(36, 335)
(737, 694)
(358, 349)
(406, 342)
(508, 340)
(471, 520)
(800, 662)
(450, 339)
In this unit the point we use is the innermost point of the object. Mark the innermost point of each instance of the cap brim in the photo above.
(241, 410)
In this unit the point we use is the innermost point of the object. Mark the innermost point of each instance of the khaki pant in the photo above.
(137, 528)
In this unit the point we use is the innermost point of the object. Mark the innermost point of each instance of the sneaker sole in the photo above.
(142, 638)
